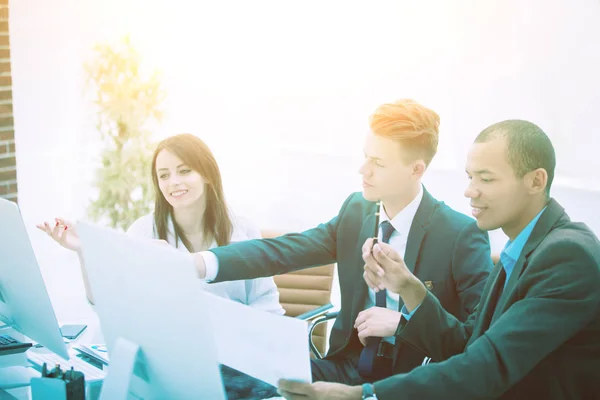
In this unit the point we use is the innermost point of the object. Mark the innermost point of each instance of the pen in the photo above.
(376, 233)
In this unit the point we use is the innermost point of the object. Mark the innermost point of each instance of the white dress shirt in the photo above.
(259, 293)
(401, 223)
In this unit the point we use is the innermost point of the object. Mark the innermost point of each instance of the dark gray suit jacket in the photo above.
(540, 341)
(444, 247)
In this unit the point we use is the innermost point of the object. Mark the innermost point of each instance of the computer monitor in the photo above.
(150, 295)
(24, 301)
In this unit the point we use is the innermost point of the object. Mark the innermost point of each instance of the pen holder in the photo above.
(58, 385)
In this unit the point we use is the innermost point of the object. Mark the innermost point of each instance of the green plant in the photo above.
(128, 102)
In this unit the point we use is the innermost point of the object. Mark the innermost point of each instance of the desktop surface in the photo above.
(91, 335)
(237, 384)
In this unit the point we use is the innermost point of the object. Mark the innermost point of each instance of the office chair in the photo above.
(306, 294)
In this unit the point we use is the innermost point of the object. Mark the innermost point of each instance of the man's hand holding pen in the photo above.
(385, 269)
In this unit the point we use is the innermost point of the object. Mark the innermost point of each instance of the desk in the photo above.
(91, 335)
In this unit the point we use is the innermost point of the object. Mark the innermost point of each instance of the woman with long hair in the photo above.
(190, 214)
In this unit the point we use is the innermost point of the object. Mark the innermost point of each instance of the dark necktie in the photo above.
(366, 363)
(495, 295)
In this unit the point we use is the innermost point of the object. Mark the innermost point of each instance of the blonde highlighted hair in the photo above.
(411, 124)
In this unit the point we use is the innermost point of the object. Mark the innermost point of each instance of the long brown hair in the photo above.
(196, 155)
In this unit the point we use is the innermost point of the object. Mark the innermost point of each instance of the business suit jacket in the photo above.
(538, 339)
(443, 246)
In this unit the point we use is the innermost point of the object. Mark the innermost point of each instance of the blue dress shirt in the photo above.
(508, 256)
(512, 250)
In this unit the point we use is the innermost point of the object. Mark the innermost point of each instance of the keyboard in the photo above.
(91, 372)
(10, 345)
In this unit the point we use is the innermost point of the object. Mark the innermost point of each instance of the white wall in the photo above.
(281, 92)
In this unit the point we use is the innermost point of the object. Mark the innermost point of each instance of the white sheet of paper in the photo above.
(266, 346)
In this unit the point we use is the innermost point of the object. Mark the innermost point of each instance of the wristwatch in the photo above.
(368, 392)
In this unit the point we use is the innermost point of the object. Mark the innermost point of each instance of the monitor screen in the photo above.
(151, 297)
(24, 301)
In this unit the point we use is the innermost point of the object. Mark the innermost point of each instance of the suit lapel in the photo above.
(553, 213)
(418, 229)
(368, 227)
(417, 232)
(413, 245)
(488, 302)
(510, 285)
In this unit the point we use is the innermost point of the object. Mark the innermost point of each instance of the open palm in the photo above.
(63, 232)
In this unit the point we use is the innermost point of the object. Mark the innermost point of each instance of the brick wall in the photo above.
(8, 167)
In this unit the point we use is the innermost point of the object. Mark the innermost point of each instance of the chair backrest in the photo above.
(305, 290)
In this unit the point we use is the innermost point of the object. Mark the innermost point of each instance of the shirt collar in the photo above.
(513, 248)
(404, 219)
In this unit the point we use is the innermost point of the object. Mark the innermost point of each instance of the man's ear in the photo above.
(536, 180)
(419, 168)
